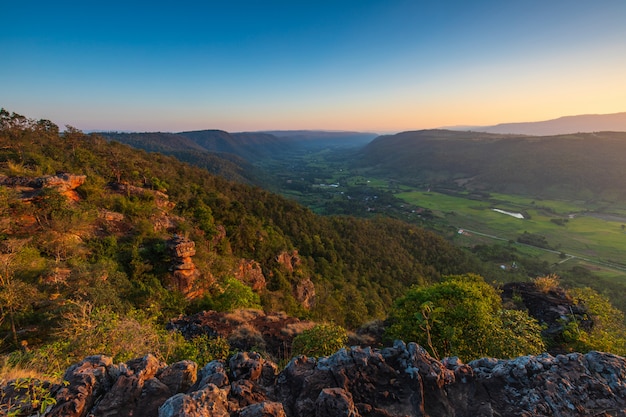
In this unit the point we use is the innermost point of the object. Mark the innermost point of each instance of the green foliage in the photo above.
(320, 340)
(31, 396)
(200, 349)
(463, 316)
(232, 295)
(534, 239)
(106, 251)
(608, 332)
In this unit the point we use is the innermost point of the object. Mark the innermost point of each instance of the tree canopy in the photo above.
(463, 316)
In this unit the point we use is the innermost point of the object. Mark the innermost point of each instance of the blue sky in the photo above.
(381, 66)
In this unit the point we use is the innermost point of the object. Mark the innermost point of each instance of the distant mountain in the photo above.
(233, 155)
(323, 138)
(228, 165)
(248, 145)
(615, 122)
(582, 166)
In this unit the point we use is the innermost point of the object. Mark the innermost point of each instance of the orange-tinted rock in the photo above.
(249, 272)
(289, 260)
(304, 292)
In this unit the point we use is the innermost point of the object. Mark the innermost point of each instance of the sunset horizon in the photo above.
(350, 66)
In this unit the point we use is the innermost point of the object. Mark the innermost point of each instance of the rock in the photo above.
(335, 402)
(290, 261)
(213, 373)
(553, 309)
(86, 381)
(65, 183)
(185, 276)
(209, 401)
(264, 409)
(123, 397)
(249, 273)
(180, 376)
(397, 381)
(245, 392)
(246, 365)
(304, 292)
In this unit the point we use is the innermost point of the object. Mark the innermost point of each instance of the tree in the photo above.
(462, 316)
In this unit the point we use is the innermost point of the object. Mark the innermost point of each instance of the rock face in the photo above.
(397, 381)
(250, 273)
(184, 271)
(65, 183)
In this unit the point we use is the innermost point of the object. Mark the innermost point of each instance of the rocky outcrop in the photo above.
(304, 292)
(289, 260)
(65, 183)
(397, 381)
(249, 272)
(184, 272)
(553, 309)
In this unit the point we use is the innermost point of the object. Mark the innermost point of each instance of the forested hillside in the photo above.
(88, 222)
(580, 166)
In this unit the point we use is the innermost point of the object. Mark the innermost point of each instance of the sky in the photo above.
(368, 65)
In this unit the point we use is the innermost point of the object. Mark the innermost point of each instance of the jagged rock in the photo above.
(335, 402)
(398, 381)
(289, 260)
(304, 292)
(213, 373)
(123, 397)
(63, 182)
(246, 365)
(245, 392)
(209, 401)
(250, 273)
(553, 309)
(86, 381)
(181, 248)
(264, 409)
(179, 377)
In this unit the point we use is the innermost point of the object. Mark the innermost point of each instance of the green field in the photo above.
(568, 227)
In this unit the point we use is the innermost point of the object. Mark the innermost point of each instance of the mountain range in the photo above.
(615, 122)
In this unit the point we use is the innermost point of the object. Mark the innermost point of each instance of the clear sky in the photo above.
(375, 65)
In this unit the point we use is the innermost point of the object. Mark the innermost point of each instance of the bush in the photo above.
(321, 340)
(233, 295)
(547, 283)
(200, 349)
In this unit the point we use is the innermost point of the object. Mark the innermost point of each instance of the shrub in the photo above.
(547, 283)
(608, 331)
(321, 340)
(200, 349)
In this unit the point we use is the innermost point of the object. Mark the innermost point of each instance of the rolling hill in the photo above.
(577, 166)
